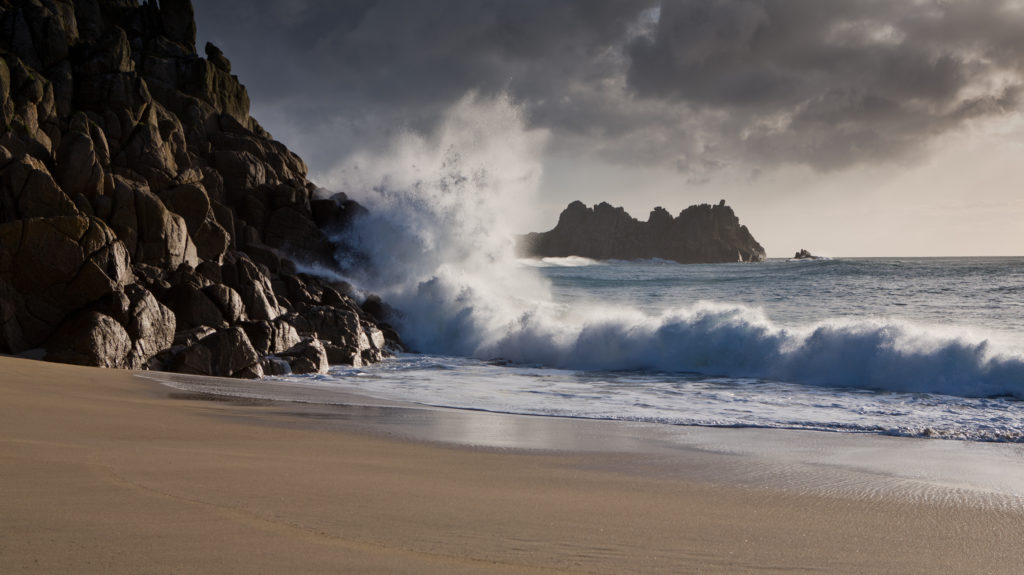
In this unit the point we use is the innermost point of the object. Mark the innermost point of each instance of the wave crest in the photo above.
(566, 262)
(439, 238)
(735, 341)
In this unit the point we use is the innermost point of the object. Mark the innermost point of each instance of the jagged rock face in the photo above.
(271, 337)
(699, 234)
(254, 287)
(27, 190)
(150, 324)
(224, 352)
(91, 338)
(146, 220)
(83, 158)
(307, 356)
(50, 267)
(155, 235)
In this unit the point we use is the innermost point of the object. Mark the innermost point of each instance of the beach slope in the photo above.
(105, 472)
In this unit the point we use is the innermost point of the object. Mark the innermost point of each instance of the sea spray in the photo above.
(439, 241)
(740, 342)
(439, 233)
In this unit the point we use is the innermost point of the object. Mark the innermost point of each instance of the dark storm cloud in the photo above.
(700, 85)
(832, 84)
(362, 65)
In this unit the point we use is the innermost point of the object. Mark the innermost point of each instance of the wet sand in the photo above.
(102, 471)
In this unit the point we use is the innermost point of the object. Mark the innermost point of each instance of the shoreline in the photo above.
(107, 472)
(821, 462)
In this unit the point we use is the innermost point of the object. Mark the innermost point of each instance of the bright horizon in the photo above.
(867, 129)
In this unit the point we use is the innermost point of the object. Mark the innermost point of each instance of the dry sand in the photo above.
(104, 472)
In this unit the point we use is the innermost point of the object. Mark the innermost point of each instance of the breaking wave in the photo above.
(439, 238)
(566, 262)
(736, 341)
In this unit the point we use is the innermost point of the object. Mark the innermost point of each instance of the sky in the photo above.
(868, 128)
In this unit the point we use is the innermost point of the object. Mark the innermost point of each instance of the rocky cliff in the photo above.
(146, 220)
(699, 234)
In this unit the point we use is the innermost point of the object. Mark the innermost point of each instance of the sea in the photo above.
(916, 347)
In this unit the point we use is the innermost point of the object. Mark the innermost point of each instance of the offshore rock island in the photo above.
(699, 234)
(146, 220)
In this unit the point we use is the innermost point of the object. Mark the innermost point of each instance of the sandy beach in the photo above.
(103, 471)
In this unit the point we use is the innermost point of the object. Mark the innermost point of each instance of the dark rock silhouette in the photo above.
(146, 220)
(90, 338)
(226, 351)
(699, 234)
(805, 255)
(307, 356)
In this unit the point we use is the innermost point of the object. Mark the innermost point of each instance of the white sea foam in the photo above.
(566, 262)
(443, 215)
(443, 212)
(649, 261)
(737, 341)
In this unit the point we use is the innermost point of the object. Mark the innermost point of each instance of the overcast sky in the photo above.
(865, 128)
